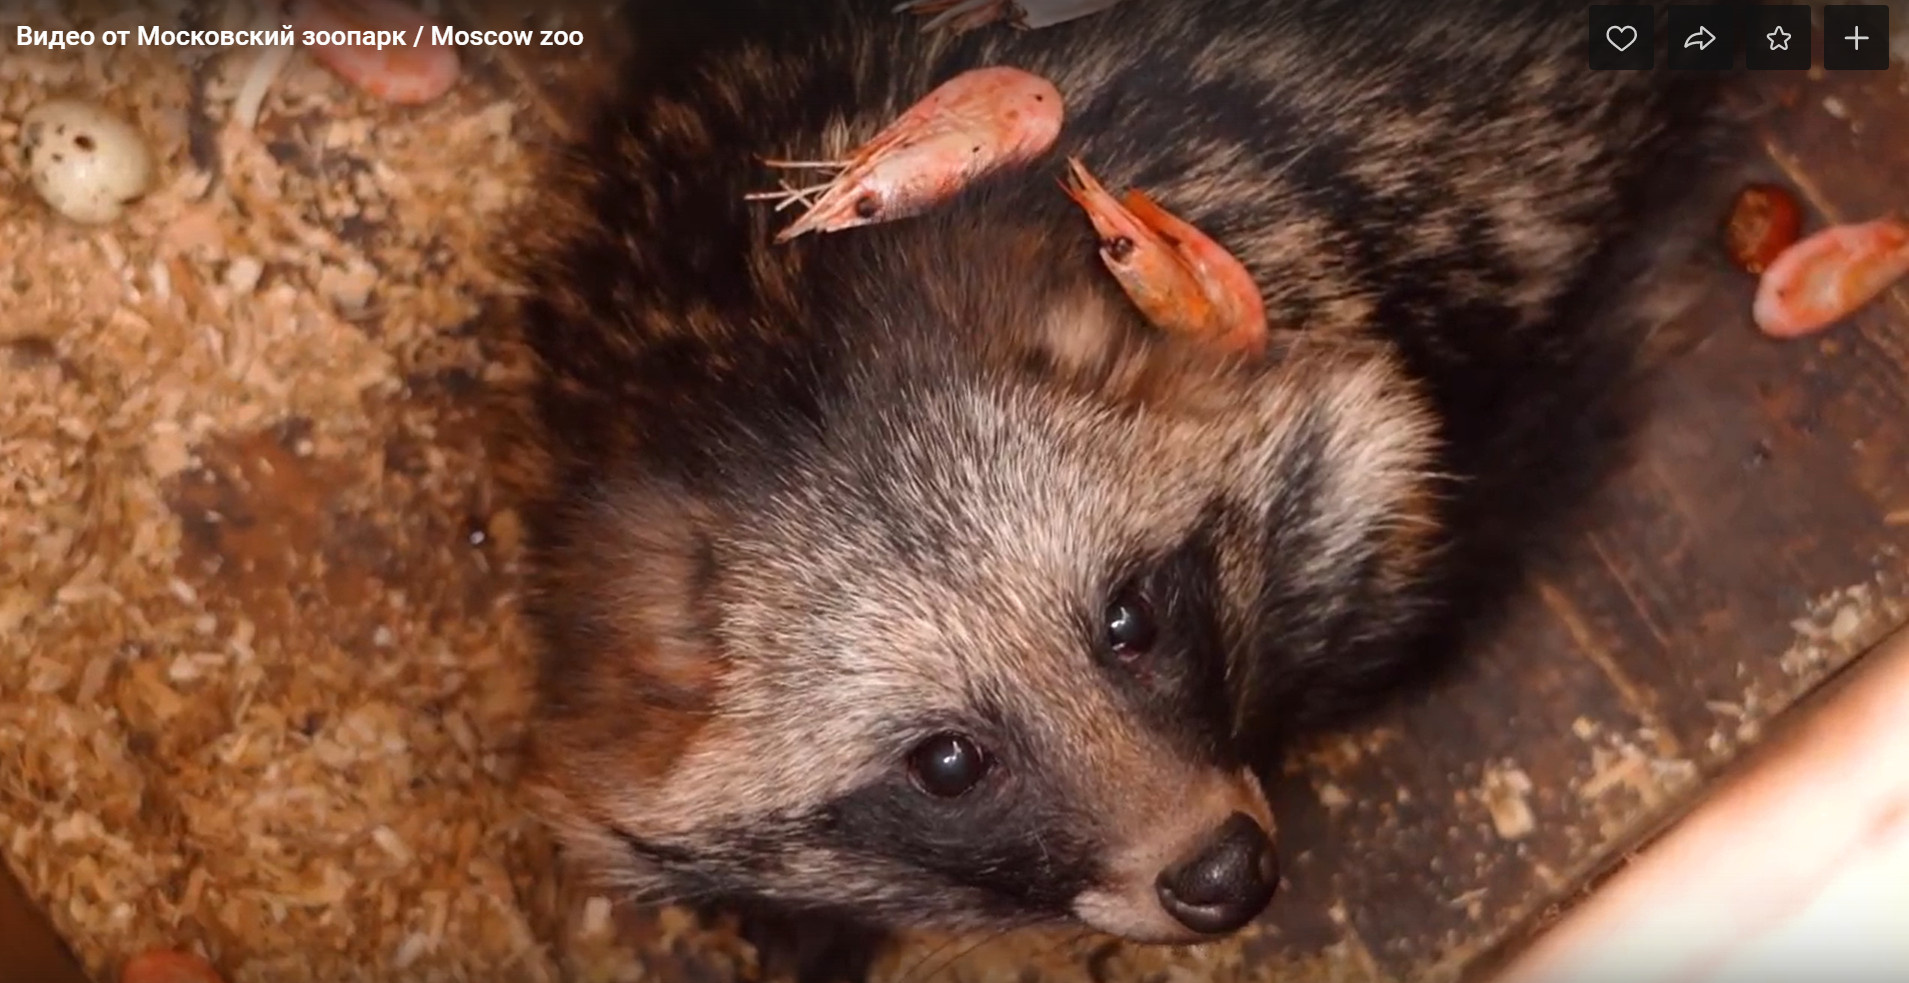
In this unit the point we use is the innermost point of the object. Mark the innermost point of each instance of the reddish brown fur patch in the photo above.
(618, 747)
(652, 681)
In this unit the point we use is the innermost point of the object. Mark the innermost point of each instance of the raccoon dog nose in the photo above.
(1226, 882)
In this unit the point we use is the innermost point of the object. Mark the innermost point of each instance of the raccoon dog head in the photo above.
(963, 647)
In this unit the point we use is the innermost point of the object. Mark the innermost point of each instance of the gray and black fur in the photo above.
(811, 504)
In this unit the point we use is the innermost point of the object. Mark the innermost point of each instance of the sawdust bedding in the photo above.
(261, 683)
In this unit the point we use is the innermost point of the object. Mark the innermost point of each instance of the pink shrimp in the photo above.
(972, 123)
(1181, 280)
(168, 966)
(412, 72)
(966, 15)
(1829, 275)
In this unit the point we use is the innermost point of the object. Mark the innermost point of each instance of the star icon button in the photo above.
(1785, 30)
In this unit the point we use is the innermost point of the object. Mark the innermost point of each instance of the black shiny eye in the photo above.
(947, 765)
(1129, 623)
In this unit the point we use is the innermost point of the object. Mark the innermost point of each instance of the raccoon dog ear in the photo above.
(628, 614)
(660, 614)
(1099, 344)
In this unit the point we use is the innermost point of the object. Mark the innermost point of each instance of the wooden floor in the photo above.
(1759, 544)
(29, 949)
(1830, 786)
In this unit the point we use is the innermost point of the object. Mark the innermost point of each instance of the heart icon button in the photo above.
(1621, 36)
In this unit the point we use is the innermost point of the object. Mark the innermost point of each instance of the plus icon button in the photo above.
(1856, 37)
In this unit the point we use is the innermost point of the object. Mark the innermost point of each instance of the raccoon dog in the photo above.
(904, 576)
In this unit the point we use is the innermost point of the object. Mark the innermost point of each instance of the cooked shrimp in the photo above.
(168, 966)
(1181, 280)
(966, 15)
(970, 124)
(414, 72)
(1829, 275)
(1764, 221)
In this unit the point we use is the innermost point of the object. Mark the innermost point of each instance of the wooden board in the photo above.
(1829, 786)
(1757, 544)
(29, 948)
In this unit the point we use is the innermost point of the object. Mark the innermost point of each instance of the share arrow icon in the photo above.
(1700, 39)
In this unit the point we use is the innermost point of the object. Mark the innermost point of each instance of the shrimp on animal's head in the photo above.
(1179, 278)
(969, 125)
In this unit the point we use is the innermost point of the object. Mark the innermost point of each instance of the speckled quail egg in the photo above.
(87, 163)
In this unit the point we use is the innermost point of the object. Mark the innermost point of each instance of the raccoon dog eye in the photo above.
(947, 765)
(1129, 623)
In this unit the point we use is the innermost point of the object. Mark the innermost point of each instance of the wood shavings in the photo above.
(1837, 625)
(1506, 793)
(242, 275)
(348, 287)
(262, 697)
(1651, 781)
(258, 83)
(596, 917)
